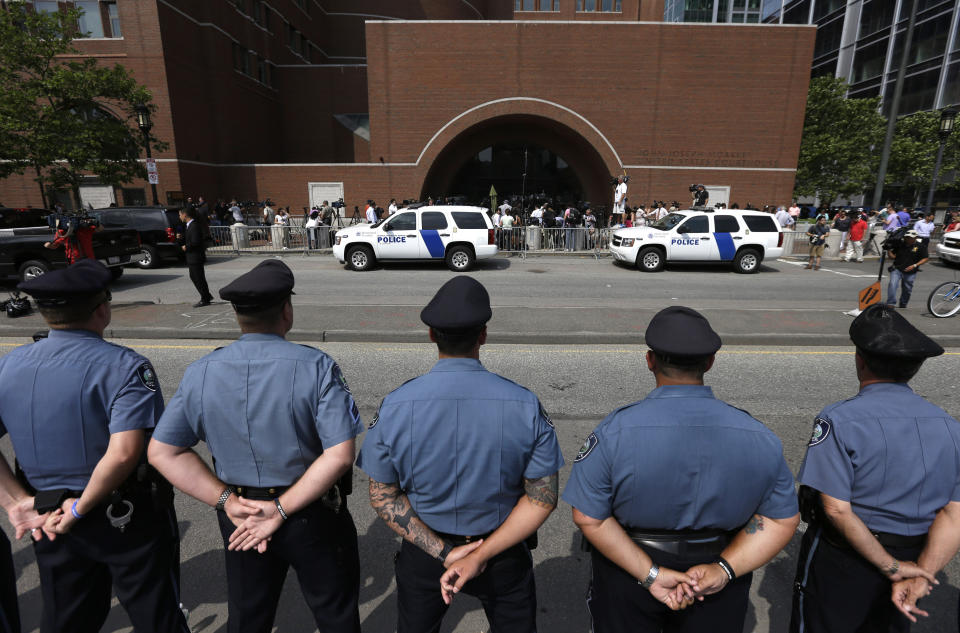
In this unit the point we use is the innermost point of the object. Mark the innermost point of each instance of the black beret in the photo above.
(77, 282)
(681, 334)
(461, 304)
(268, 284)
(880, 330)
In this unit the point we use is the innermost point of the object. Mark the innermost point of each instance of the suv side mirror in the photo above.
(682, 229)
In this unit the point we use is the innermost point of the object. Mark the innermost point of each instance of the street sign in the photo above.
(151, 165)
(153, 178)
(870, 295)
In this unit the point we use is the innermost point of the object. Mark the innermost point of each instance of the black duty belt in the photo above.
(683, 542)
(531, 541)
(887, 539)
(459, 539)
(263, 494)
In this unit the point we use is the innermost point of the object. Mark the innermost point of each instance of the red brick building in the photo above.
(288, 99)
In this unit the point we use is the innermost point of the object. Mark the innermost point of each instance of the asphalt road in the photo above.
(578, 385)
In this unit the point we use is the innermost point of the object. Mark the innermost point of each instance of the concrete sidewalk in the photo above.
(510, 324)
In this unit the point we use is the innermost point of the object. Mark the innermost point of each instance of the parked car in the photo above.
(456, 235)
(742, 239)
(23, 233)
(158, 228)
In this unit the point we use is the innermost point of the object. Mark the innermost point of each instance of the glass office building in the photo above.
(860, 41)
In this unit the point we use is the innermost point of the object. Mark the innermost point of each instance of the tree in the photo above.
(64, 118)
(914, 152)
(837, 156)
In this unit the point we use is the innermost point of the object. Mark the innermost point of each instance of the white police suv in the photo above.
(741, 238)
(456, 235)
(949, 247)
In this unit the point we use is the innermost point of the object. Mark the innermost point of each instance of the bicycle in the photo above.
(944, 301)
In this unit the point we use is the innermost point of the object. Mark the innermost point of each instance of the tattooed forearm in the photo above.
(394, 508)
(543, 491)
(754, 525)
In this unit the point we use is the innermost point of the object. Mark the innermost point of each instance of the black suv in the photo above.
(158, 228)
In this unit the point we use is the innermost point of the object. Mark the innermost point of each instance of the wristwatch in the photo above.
(223, 498)
(447, 548)
(647, 582)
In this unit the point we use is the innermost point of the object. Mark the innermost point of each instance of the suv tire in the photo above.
(149, 257)
(650, 259)
(360, 258)
(33, 268)
(747, 261)
(460, 259)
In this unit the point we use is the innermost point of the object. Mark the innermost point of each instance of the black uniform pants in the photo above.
(78, 568)
(618, 604)
(9, 611)
(505, 589)
(199, 279)
(838, 591)
(321, 546)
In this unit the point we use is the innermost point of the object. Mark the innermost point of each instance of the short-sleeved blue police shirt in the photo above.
(894, 456)
(681, 460)
(459, 441)
(62, 397)
(266, 408)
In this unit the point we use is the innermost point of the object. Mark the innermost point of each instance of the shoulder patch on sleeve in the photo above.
(338, 376)
(147, 376)
(543, 414)
(821, 429)
(588, 445)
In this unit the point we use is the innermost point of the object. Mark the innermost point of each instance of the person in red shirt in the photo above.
(855, 238)
(78, 246)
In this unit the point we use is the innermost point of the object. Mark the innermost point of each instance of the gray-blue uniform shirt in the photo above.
(62, 397)
(681, 460)
(894, 456)
(266, 408)
(459, 441)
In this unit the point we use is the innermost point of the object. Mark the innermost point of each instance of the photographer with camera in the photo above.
(908, 254)
(700, 195)
(818, 237)
(76, 238)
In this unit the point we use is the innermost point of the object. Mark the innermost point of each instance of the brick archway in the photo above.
(542, 123)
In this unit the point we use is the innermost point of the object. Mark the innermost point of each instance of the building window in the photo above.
(603, 6)
(828, 37)
(876, 15)
(537, 5)
(261, 70)
(918, 92)
(868, 61)
(929, 40)
(98, 19)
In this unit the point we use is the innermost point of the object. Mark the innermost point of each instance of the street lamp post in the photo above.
(144, 123)
(947, 118)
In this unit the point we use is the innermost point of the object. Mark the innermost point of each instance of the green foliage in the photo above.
(64, 117)
(914, 152)
(839, 152)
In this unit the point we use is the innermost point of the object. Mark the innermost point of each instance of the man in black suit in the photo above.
(195, 247)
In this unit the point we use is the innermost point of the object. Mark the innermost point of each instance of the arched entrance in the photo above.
(560, 163)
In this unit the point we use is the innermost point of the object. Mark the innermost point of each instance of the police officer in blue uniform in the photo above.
(880, 487)
(280, 423)
(463, 465)
(680, 495)
(78, 410)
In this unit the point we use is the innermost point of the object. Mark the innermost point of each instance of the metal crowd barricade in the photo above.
(533, 239)
(242, 238)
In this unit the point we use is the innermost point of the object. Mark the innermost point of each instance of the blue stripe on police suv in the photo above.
(725, 244)
(433, 242)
